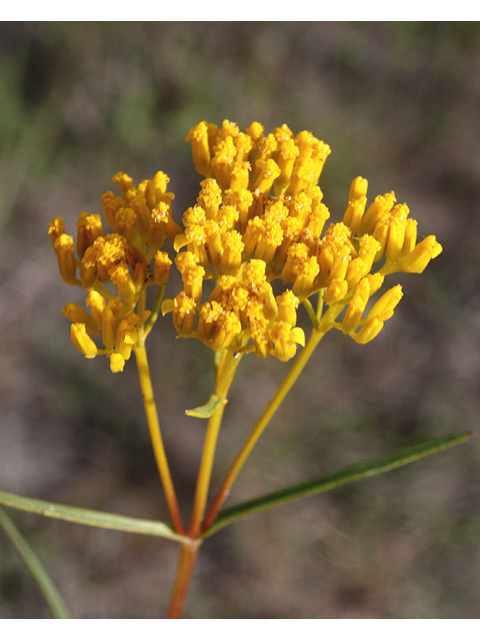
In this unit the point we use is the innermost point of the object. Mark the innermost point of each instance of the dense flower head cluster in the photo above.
(259, 217)
(130, 257)
(256, 245)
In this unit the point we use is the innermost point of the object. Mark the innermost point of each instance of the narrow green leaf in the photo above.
(34, 567)
(208, 409)
(90, 517)
(338, 478)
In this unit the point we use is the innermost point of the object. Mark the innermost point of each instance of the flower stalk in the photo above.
(188, 552)
(225, 373)
(287, 384)
(156, 437)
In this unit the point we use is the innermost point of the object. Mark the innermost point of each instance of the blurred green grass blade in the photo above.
(34, 567)
(90, 517)
(320, 484)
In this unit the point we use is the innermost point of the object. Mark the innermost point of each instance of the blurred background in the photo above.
(399, 104)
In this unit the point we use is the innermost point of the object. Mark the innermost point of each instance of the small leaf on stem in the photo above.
(208, 409)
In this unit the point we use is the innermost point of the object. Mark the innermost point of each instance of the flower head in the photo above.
(259, 218)
(259, 230)
(117, 267)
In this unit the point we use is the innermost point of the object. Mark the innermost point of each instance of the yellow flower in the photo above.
(260, 205)
(89, 228)
(129, 258)
(82, 340)
(64, 247)
(78, 315)
(258, 230)
(353, 314)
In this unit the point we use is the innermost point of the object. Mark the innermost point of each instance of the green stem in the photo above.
(155, 311)
(34, 567)
(226, 371)
(311, 313)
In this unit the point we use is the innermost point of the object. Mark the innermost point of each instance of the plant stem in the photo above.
(269, 412)
(155, 311)
(227, 366)
(186, 563)
(226, 370)
(156, 437)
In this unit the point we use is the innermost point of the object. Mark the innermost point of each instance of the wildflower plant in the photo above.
(258, 243)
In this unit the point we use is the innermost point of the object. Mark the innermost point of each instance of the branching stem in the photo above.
(227, 365)
(226, 370)
(257, 431)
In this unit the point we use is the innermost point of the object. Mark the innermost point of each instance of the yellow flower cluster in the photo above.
(251, 250)
(259, 217)
(130, 258)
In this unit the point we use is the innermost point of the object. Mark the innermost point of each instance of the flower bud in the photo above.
(82, 340)
(122, 279)
(198, 136)
(117, 362)
(268, 174)
(161, 268)
(384, 307)
(65, 249)
(355, 309)
(78, 315)
(89, 228)
(417, 260)
(55, 229)
(369, 331)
